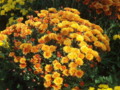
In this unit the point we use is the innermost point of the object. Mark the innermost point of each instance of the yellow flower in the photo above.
(116, 37)
(58, 81)
(48, 77)
(23, 60)
(2, 12)
(81, 55)
(67, 42)
(57, 66)
(117, 88)
(72, 55)
(79, 61)
(79, 38)
(1, 43)
(75, 26)
(72, 71)
(72, 65)
(67, 49)
(73, 35)
(48, 68)
(64, 31)
(64, 60)
(52, 10)
(97, 44)
(56, 87)
(89, 56)
(83, 43)
(47, 54)
(91, 88)
(66, 72)
(55, 75)
(84, 49)
(52, 48)
(47, 84)
(105, 86)
(52, 36)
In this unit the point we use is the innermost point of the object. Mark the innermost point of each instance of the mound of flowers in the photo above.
(55, 46)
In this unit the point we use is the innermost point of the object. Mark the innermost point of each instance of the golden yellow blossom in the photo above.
(58, 81)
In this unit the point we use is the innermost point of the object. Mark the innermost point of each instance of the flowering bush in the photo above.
(106, 7)
(55, 47)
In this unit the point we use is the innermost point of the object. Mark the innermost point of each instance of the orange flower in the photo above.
(79, 73)
(11, 54)
(64, 60)
(89, 57)
(54, 21)
(81, 55)
(72, 65)
(47, 54)
(79, 61)
(26, 47)
(16, 59)
(57, 66)
(48, 77)
(47, 84)
(37, 66)
(34, 49)
(66, 72)
(56, 87)
(58, 81)
(43, 26)
(55, 75)
(52, 48)
(22, 65)
(17, 44)
(63, 67)
(48, 68)
(45, 47)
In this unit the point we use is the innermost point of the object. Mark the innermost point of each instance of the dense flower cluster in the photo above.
(108, 7)
(13, 7)
(55, 45)
(104, 87)
(117, 36)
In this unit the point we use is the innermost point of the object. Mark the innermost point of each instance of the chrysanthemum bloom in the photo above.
(48, 68)
(58, 81)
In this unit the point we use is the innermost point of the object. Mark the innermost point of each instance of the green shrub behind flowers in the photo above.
(56, 48)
